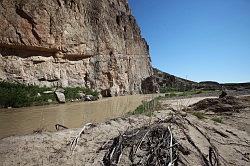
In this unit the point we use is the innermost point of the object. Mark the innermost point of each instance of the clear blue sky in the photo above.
(197, 39)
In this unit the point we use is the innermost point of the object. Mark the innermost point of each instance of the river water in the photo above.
(22, 121)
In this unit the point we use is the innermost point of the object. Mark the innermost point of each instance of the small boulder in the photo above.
(81, 95)
(90, 98)
(99, 96)
(50, 101)
(60, 97)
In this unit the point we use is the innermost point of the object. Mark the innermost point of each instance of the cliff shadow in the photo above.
(26, 51)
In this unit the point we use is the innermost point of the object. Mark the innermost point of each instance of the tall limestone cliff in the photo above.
(91, 43)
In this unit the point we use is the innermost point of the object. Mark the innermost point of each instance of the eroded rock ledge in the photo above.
(73, 43)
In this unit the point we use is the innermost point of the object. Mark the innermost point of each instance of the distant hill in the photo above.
(228, 86)
(162, 82)
(237, 86)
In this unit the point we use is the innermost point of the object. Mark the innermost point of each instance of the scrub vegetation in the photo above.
(147, 107)
(18, 95)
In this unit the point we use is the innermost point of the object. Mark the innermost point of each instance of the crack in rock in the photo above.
(26, 16)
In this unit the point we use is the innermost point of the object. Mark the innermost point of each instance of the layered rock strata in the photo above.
(96, 44)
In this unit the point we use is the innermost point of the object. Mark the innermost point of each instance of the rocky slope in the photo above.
(161, 81)
(89, 43)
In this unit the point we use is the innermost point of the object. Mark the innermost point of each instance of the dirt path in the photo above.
(201, 141)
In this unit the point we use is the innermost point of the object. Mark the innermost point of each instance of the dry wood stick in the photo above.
(74, 142)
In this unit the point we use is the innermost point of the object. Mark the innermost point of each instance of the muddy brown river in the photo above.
(73, 115)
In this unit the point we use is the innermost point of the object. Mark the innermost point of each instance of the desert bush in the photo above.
(147, 107)
(217, 119)
(199, 115)
(20, 95)
(73, 92)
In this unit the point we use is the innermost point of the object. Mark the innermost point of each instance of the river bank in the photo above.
(20, 121)
(26, 120)
(196, 137)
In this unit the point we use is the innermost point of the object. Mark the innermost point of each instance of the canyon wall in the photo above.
(89, 43)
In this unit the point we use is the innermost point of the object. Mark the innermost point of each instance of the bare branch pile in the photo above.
(150, 145)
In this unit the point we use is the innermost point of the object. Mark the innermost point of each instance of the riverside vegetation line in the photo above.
(18, 95)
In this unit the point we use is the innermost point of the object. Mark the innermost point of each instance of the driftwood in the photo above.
(60, 127)
(151, 145)
(75, 140)
(223, 94)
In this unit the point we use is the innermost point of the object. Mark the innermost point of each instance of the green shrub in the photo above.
(139, 110)
(179, 94)
(199, 115)
(199, 92)
(217, 119)
(147, 107)
(19, 95)
(73, 93)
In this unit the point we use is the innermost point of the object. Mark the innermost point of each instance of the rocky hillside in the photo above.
(161, 82)
(96, 44)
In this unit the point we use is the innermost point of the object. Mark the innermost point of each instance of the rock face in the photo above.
(150, 85)
(96, 44)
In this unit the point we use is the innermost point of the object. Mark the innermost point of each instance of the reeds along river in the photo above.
(72, 115)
